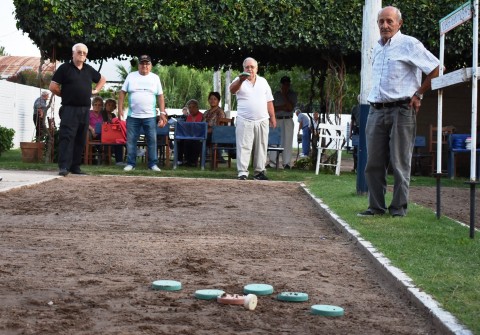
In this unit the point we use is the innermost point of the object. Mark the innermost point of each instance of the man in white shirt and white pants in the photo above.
(254, 114)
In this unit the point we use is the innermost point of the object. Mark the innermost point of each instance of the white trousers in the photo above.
(251, 136)
(286, 126)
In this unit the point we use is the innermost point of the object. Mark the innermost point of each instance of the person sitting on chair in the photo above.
(95, 117)
(108, 115)
(212, 116)
(107, 111)
(193, 147)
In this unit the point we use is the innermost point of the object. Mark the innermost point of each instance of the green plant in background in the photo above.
(304, 163)
(6, 139)
(31, 78)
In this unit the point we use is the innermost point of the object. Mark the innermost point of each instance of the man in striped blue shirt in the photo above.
(395, 99)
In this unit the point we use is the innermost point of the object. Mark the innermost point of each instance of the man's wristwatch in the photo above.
(418, 95)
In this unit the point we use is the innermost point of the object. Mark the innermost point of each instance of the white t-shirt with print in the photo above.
(142, 94)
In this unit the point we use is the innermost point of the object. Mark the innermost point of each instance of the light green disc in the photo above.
(258, 289)
(208, 294)
(167, 285)
(327, 310)
(293, 296)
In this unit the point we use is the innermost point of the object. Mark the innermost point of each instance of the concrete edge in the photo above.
(443, 320)
(29, 183)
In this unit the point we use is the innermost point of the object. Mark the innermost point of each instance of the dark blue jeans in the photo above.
(306, 141)
(134, 127)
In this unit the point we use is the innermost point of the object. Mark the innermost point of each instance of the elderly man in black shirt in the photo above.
(73, 82)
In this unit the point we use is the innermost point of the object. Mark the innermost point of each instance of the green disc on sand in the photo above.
(292, 296)
(258, 289)
(166, 285)
(209, 294)
(327, 310)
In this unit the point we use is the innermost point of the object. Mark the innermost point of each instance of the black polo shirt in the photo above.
(76, 84)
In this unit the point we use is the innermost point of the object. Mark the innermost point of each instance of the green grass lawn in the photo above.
(437, 254)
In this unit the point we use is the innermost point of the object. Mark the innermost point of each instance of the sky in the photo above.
(16, 43)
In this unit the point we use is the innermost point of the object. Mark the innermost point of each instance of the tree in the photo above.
(322, 36)
(2, 51)
(203, 33)
(31, 78)
(196, 32)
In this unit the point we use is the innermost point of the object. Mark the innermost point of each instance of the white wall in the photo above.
(16, 110)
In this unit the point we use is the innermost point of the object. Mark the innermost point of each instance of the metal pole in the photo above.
(473, 150)
(438, 173)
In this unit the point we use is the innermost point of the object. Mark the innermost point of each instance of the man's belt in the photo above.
(283, 117)
(380, 105)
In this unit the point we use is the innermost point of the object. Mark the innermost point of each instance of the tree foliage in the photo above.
(322, 37)
(211, 33)
(31, 78)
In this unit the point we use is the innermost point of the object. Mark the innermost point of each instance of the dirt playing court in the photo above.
(79, 255)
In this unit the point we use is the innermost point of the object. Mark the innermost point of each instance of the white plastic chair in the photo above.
(331, 137)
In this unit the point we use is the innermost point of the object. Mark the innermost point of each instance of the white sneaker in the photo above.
(155, 168)
(129, 168)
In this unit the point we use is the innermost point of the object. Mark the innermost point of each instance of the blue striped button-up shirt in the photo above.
(397, 68)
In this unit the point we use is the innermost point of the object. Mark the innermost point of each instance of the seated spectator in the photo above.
(108, 112)
(95, 116)
(107, 116)
(212, 115)
(193, 148)
(184, 113)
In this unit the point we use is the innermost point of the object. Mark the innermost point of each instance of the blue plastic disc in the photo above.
(327, 310)
(293, 296)
(258, 289)
(208, 294)
(166, 285)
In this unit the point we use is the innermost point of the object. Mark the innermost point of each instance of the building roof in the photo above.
(11, 65)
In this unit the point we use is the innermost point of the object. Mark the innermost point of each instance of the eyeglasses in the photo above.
(81, 52)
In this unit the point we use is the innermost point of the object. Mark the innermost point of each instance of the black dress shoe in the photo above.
(78, 172)
(63, 172)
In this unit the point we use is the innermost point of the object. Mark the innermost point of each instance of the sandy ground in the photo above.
(455, 202)
(79, 255)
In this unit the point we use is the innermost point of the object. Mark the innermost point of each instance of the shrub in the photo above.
(6, 139)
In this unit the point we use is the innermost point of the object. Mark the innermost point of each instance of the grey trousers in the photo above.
(390, 135)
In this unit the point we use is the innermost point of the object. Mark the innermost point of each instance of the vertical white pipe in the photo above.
(228, 96)
(473, 161)
(440, 108)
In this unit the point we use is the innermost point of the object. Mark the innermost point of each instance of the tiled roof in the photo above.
(10, 65)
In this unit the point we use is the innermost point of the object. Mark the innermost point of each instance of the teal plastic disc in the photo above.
(327, 310)
(166, 285)
(293, 296)
(208, 294)
(258, 289)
